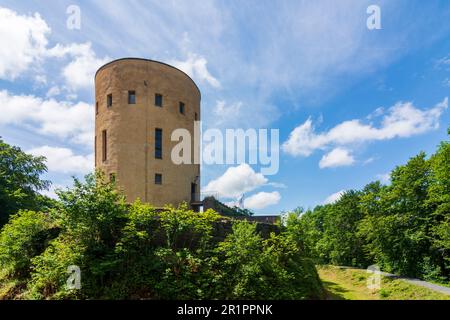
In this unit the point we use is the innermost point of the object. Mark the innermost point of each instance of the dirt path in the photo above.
(344, 283)
(417, 282)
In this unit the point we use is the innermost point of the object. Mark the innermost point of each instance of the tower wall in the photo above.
(130, 129)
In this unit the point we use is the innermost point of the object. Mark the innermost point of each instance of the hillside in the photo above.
(351, 284)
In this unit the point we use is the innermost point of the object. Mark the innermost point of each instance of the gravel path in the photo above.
(426, 284)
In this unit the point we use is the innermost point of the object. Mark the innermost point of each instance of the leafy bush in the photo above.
(135, 251)
(165, 254)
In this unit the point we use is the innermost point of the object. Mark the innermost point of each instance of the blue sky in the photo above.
(351, 103)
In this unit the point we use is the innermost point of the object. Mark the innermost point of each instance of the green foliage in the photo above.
(227, 211)
(403, 227)
(20, 181)
(49, 275)
(343, 244)
(92, 211)
(399, 238)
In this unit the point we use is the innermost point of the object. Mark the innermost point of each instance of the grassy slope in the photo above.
(351, 284)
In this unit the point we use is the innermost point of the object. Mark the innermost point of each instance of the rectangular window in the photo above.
(181, 107)
(131, 97)
(104, 146)
(158, 143)
(196, 116)
(95, 151)
(158, 100)
(193, 192)
(112, 177)
(96, 108)
(158, 178)
(109, 100)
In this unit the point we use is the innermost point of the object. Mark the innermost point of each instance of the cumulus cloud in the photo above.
(195, 67)
(401, 120)
(236, 181)
(334, 197)
(338, 157)
(63, 160)
(262, 200)
(23, 42)
(49, 117)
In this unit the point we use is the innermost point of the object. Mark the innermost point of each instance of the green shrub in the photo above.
(134, 251)
(24, 237)
(49, 276)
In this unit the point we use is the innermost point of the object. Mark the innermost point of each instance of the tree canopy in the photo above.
(404, 226)
(20, 181)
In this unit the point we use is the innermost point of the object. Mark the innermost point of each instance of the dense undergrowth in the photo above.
(403, 227)
(136, 252)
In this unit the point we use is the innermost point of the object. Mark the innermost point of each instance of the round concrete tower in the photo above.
(139, 103)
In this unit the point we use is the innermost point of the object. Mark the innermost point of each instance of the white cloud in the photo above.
(262, 200)
(79, 73)
(384, 177)
(277, 185)
(227, 113)
(446, 82)
(23, 41)
(49, 117)
(401, 120)
(64, 160)
(338, 157)
(236, 181)
(41, 79)
(334, 197)
(195, 67)
(223, 110)
(378, 112)
(251, 113)
(368, 160)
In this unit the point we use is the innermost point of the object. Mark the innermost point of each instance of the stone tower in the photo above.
(139, 103)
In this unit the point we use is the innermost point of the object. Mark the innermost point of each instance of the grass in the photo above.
(351, 284)
(8, 288)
